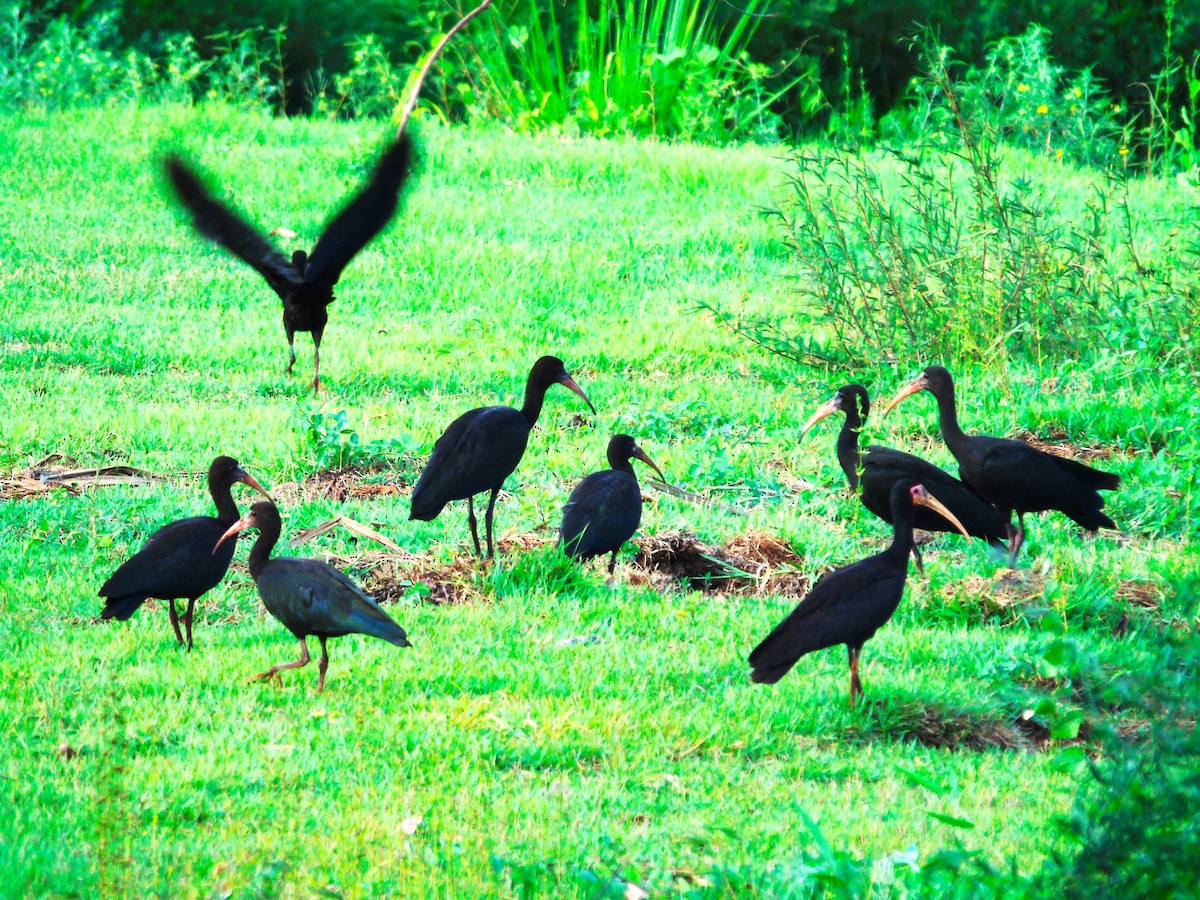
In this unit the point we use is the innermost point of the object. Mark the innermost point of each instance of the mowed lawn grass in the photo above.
(557, 730)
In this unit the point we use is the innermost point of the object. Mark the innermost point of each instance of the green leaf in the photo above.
(955, 821)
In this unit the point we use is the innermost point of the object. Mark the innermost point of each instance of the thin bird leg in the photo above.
(855, 685)
(175, 621)
(612, 563)
(488, 520)
(274, 671)
(917, 557)
(322, 664)
(1018, 538)
(291, 336)
(187, 620)
(316, 382)
(474, 523)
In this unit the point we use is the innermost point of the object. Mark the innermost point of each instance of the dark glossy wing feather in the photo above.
(362, 218)
(847, 606)
(1030, 480)
(176, 562)
(602, 513)
(217, 221)
(311, 597)
(883, 467)
(476, 453)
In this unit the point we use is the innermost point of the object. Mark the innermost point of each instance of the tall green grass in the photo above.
(670, 68)
(555, 734)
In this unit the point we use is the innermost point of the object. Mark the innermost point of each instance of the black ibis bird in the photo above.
(1010, 473)
(848, 605)
(882, 467)
(605, 508)
(482, 447)
(177, 562)
(309, 596)
(305, 283)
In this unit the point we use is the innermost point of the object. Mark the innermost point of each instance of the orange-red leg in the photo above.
(274, 671)
(322, 664)
(855, 685)
(174, 620)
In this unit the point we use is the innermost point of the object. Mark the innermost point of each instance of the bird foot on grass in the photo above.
(266, 676)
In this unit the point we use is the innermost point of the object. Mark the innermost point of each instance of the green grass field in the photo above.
(553, 732)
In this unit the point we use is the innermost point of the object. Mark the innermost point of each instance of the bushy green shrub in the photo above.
(954, 258)
(1021, 96)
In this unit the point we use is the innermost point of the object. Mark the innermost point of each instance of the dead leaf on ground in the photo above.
(354, 527)
(58, 471)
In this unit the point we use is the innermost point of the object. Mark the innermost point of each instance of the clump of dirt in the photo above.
(340, 485)
(388, 576)
(1002, 595)
(1056, 443)
(749, 564)
(931, 725)
(1146, 594)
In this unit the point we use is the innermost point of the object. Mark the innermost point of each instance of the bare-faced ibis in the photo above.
(882, 467)
(309, 596)
(605, 508)
(304, 283)
(482, 447)
(848, 605)
(1012, 474)
(177, 562)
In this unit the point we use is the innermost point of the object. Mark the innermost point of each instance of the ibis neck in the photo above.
(902, 540)
(227, 511)
(848, 453)
(260, 554)
(952, 434)
(535, 396)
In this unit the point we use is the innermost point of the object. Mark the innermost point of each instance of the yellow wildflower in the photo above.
(1124, 151)
(1043, 109)
(1059, 154)
(1078, 93)
(1022, 88)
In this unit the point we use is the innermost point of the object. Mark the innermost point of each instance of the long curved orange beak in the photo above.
(569, 382)
(246, 521)
(917, 385)
(922, 497)
(828, 408)
(247, 479)
(639, 453)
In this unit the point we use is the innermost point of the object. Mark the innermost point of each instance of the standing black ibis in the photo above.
(1012, 474)
(482, 447)
(177, 562)
(882, 467)
(305, 283)
(848, 605)
(605, 508)
(309, 596)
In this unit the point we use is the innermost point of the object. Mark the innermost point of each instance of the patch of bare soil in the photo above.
(340, 485)
(1146, 594)
(1056, 444)
(944, 729)
(1001, 595)
(752, 563)
(388, 576)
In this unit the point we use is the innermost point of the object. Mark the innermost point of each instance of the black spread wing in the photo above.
(217, 221)
(362, 218)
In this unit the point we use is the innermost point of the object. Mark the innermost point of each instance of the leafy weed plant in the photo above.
(645, 67)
